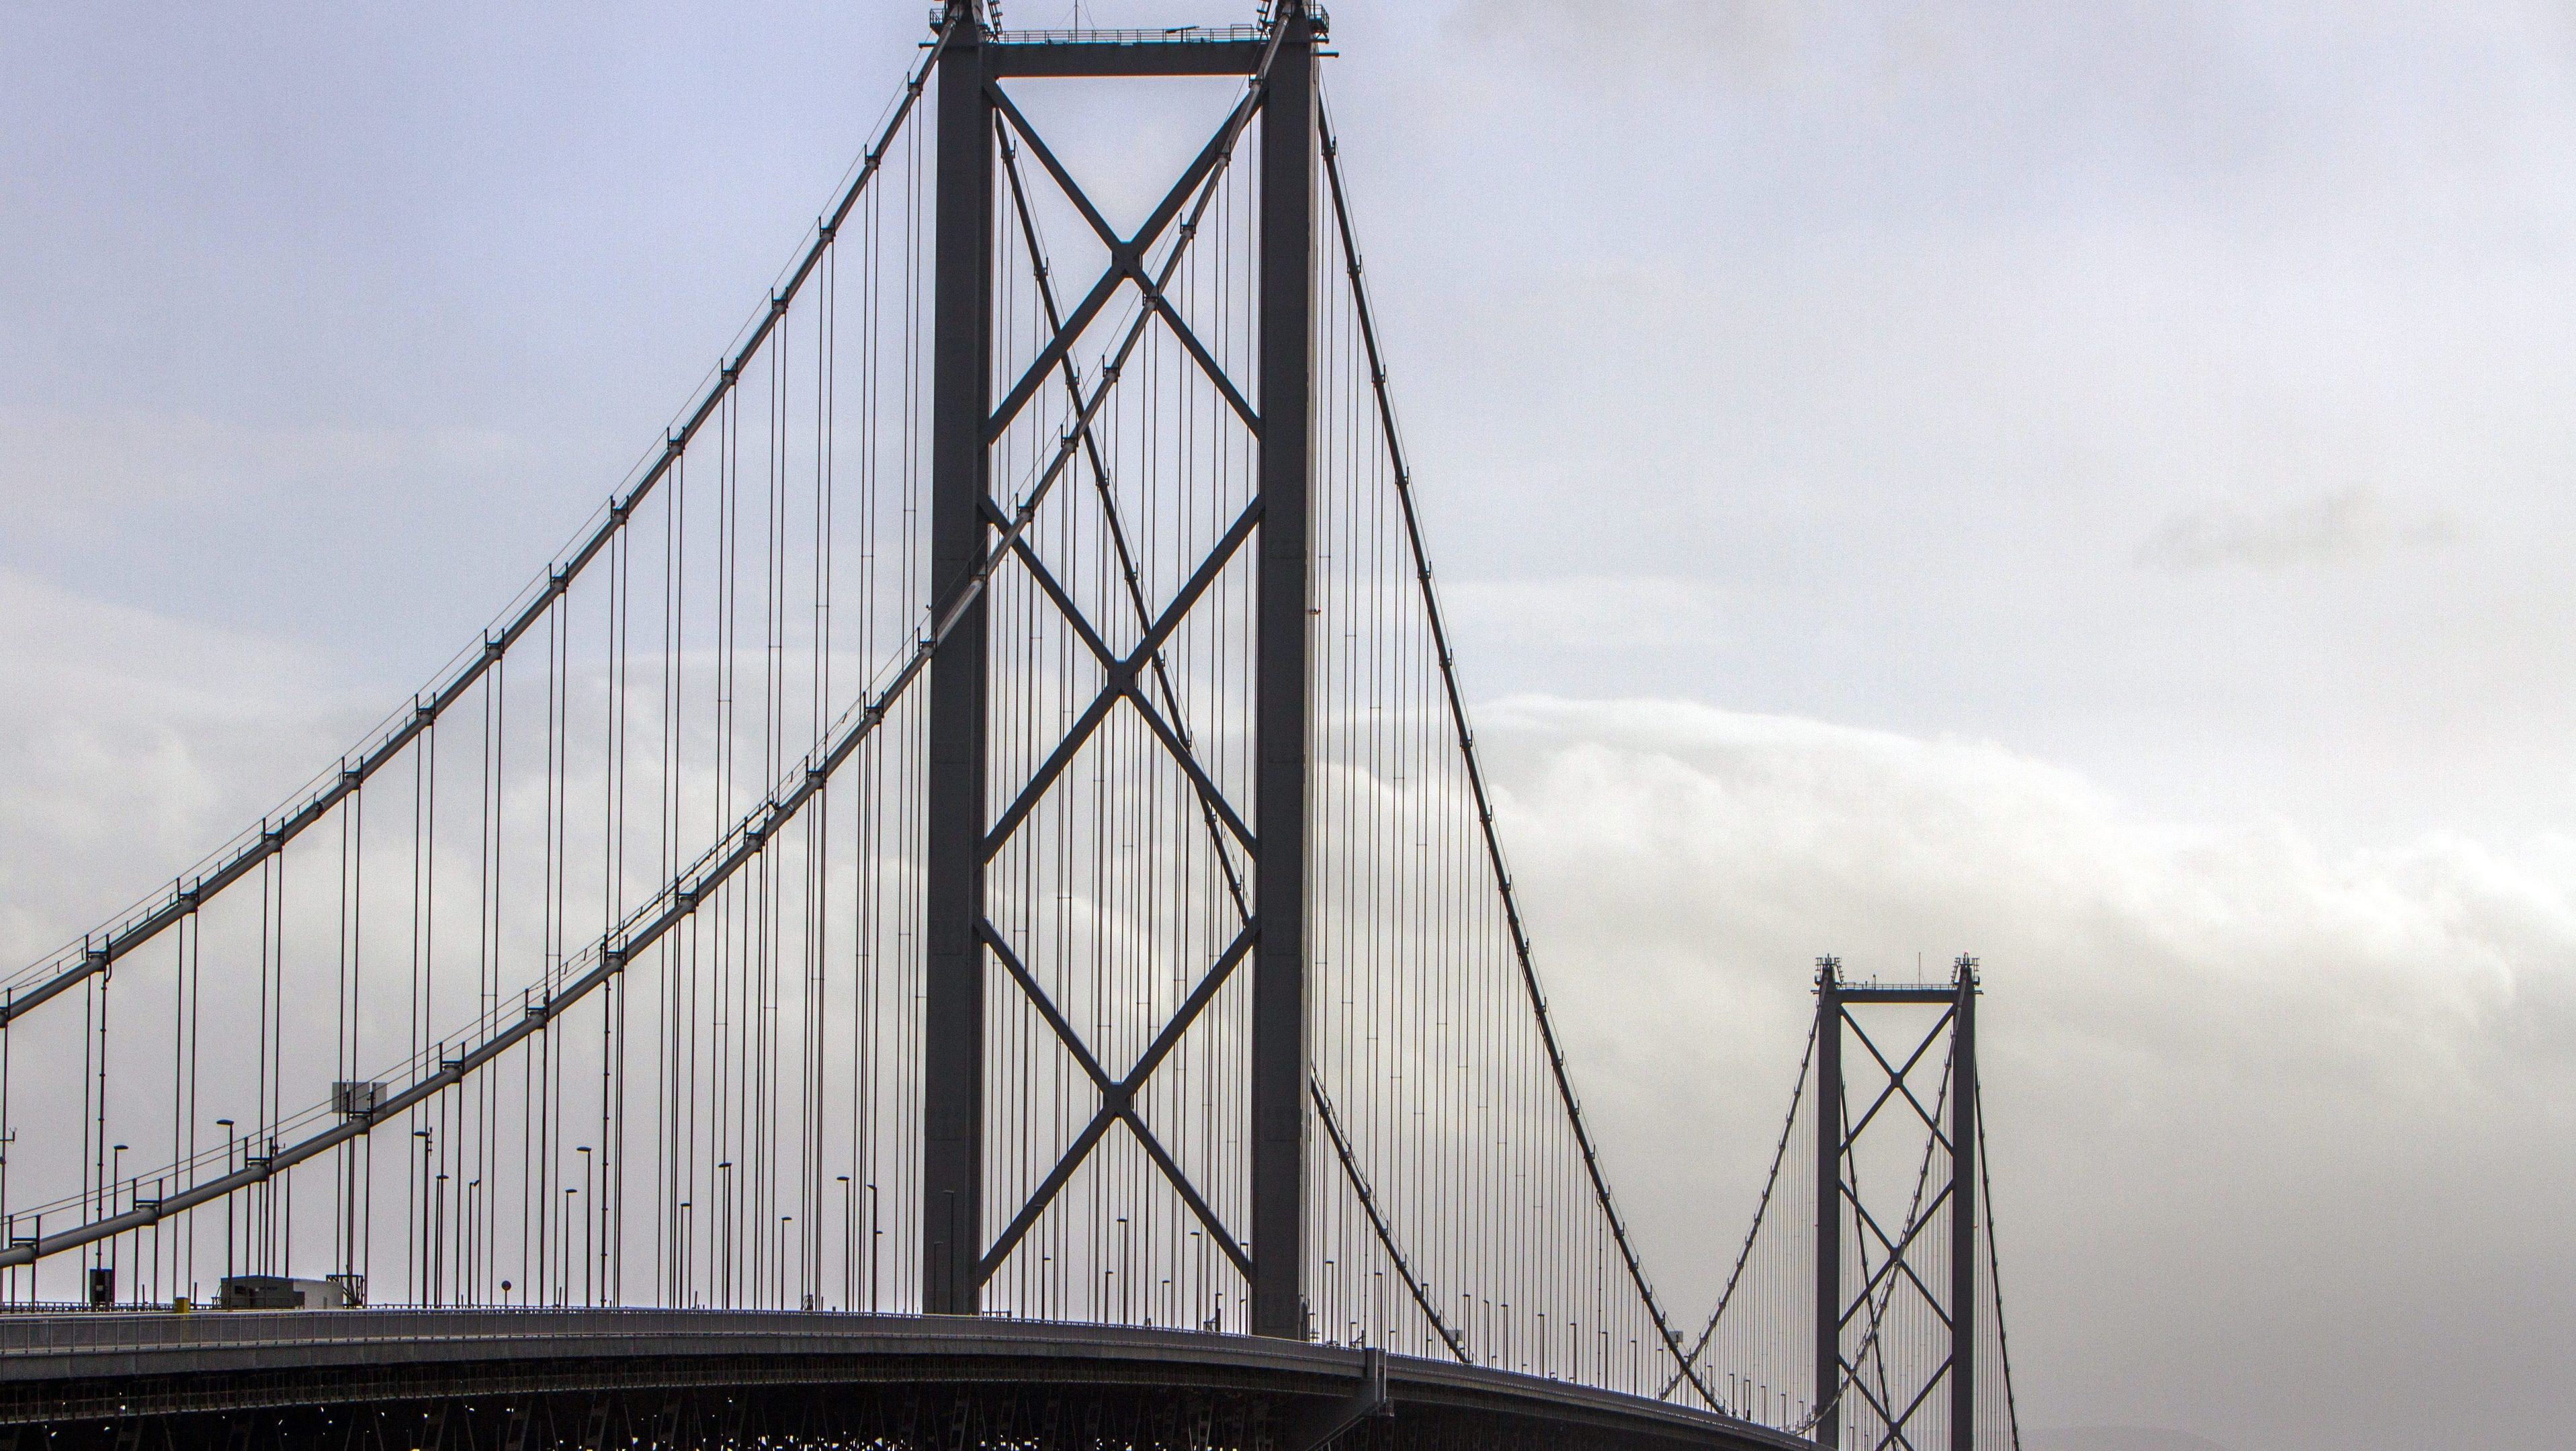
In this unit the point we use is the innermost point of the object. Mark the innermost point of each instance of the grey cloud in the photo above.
(224, 521)
(1654, 32)
(2119, 1438)
(2344, 526)
(1587, 615)
(136, 743)
(95, 469)
(2187, 1025)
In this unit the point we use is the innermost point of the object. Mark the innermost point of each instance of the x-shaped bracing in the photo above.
(1121, 684)
(1895, 1249)
(1122, 673)
(1118, 1098)
(1896, 1422)
(1126, 264)
(1897, 1080)
(1117, 530)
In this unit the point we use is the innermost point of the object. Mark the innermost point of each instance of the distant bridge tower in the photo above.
(1896, 1264)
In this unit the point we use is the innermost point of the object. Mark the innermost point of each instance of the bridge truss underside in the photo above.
(456, 1379)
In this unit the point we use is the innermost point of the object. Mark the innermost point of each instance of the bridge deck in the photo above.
(104, 1367)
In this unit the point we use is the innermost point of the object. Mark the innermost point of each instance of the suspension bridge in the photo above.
(963, 908)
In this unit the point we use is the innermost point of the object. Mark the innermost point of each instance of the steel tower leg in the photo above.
(1963, 1212)
(1829, 1201)
(1279, 875)
(961, 401)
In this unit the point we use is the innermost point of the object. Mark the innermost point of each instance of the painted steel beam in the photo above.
(961, 398)
(1127, 58)
(1280, 714)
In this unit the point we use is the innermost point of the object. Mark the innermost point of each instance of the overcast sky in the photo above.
(2085, 484)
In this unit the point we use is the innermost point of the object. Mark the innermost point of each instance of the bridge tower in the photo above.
(978, 127)
(1899, 1261)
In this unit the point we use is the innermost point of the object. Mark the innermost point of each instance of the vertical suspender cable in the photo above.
(1475, 769)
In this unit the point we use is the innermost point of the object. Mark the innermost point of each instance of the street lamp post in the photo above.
(1126, 1264)
(438, 1240)
(876, 1241)
(721, 1239)
(849, 1243)
(469, 1215)
(115, 1181)
(420, 1206)
(589, 1206)
(227, 1126)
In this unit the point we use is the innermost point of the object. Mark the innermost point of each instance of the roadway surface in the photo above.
(101, 1370)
